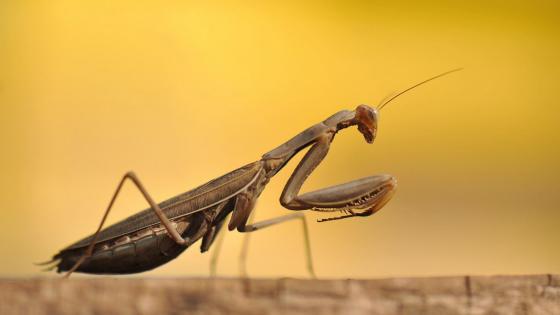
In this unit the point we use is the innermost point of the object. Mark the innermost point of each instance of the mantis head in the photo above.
(366, 119)
(363, 116)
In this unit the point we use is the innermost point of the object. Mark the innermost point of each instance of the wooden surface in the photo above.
(511, 295)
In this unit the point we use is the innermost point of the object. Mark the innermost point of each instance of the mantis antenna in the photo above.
(414, 86)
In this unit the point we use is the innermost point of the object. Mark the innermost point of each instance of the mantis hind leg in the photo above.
(173, 233)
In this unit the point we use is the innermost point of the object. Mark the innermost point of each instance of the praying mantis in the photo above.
(157, 235)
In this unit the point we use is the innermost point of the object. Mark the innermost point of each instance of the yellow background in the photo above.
(185, 91)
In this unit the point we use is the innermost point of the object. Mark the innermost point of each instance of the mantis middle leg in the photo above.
(245, 228)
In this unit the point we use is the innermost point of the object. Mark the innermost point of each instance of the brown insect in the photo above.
(153, 237)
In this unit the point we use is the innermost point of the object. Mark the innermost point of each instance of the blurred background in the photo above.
(184, 91)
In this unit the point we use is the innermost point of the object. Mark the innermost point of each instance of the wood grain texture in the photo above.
(496, 295)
